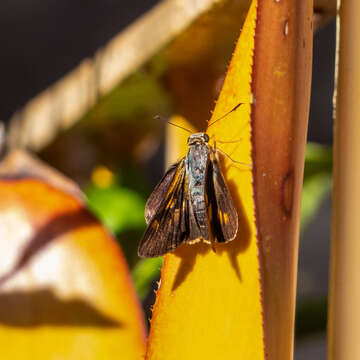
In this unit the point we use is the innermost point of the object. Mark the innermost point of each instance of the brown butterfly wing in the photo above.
(167, 227)
(222, 212)
(159, 193)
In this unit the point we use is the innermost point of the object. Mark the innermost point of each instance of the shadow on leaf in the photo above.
(43, 307)
(188, 253)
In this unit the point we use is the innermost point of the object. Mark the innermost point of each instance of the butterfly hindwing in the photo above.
(222, 213)
(167, 227)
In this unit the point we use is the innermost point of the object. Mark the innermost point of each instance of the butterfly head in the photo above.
(198, 138)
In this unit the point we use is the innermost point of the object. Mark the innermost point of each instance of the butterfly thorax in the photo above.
(198, 138)
(197, 160)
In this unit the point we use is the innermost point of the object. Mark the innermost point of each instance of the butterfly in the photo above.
(190, 203)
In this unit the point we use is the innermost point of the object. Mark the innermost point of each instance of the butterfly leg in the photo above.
(237, 162)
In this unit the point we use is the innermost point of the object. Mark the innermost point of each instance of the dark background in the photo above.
(42, 41)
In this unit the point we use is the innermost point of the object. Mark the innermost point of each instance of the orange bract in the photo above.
(65, 288)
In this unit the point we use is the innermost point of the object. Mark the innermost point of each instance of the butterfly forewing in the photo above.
(159, 193)
(222, 213)
(167, 225)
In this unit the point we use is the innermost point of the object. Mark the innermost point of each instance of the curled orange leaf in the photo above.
(65, 288)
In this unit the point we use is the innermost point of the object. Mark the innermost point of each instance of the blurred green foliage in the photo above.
(119, 208)
(311, 313)
(317, 180)
(144, 273)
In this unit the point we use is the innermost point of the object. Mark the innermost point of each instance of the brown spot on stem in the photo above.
(288, 192)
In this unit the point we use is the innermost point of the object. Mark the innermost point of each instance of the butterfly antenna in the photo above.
(169, 122)
(229, 112)
(158, 117)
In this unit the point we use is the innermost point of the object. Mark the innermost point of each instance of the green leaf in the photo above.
(317, 180)
(119, 208)
(145, 271)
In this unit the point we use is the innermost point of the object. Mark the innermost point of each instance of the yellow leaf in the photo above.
(209, 303)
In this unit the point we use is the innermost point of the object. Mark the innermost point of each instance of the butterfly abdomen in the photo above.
(196, 167)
